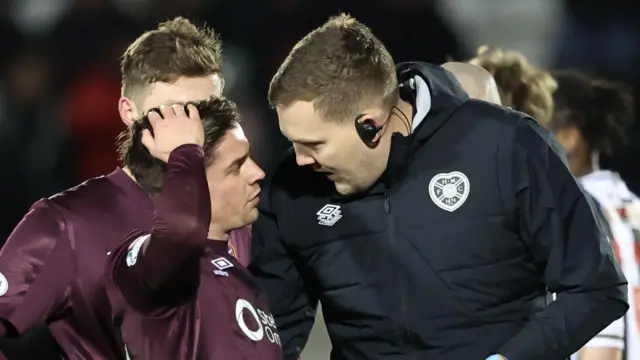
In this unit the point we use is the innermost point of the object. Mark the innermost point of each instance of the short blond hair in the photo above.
(522, 86)
(177, 48)
(340, 67)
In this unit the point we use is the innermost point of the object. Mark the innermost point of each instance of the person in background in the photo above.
(476, 81)
(521, 85)
(33, 136)
(592, 117)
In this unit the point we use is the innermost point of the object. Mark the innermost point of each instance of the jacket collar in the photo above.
(446, 95)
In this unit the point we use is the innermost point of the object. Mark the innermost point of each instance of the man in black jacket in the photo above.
(430, 225)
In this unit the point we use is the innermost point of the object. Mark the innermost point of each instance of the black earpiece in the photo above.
(367, 130)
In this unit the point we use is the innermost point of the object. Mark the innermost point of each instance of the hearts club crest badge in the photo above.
(449, 190)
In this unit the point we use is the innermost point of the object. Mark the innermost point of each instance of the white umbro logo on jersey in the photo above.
(329, 215)
(222, 264)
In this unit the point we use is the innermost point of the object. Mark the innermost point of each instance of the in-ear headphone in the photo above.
(367, 130)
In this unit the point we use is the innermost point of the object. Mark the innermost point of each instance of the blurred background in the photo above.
(59, 74)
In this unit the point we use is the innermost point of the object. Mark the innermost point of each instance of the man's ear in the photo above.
(373, 121)
(380, 124)
(128, 111)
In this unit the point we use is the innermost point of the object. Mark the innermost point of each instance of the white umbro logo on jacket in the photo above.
(329, 215)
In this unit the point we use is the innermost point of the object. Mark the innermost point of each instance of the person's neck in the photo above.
(129, 173)
(401, 118)
(585, 165)
(581, 168)
(217, 233)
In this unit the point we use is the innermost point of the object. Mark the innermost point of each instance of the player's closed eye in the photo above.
(307, 147)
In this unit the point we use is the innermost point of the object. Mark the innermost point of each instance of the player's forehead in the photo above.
(183, 90)
(233, 146)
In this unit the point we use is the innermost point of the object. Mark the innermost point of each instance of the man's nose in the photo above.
(304, 160)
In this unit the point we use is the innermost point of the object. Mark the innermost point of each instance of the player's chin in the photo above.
(344, 188)
(251, 216)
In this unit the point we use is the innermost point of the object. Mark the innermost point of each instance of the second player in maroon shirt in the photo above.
(191, 299)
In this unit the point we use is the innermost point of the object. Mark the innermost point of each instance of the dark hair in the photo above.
(218, 115)
(176, 48)
(601, 110)
(340, 67)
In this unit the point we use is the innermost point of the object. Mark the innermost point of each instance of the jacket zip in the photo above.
(402, 326)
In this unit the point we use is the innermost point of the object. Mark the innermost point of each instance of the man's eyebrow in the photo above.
(306, 141)
(238, 162)
(301, 140)
(241, 158)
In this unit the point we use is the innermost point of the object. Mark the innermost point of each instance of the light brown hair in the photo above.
(522, 86)
(177, 48)
(341, 67)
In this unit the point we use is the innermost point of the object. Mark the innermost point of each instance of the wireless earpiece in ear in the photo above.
(367, 130)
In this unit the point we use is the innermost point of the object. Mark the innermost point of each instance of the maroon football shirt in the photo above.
(190, 299)
(52, 265)
(240, 245)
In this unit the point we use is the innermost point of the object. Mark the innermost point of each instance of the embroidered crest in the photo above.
(449, 191)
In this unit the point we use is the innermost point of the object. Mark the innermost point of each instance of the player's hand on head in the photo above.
(172, 127)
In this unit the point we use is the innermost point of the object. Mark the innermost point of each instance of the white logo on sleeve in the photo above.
(222, 264)
(4, 284)
(134, 249)
(329, 215)
(449, 191)
(265, 324)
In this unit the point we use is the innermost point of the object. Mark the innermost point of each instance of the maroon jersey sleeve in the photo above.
(35, 270)
(157, 272)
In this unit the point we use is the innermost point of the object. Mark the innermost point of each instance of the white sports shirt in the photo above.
(621, 208)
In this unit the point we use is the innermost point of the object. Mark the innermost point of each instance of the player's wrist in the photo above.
(189, 148)
(188, 151)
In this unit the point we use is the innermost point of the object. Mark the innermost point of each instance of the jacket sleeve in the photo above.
(156, 272)
(566, 244)
(280, 276)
